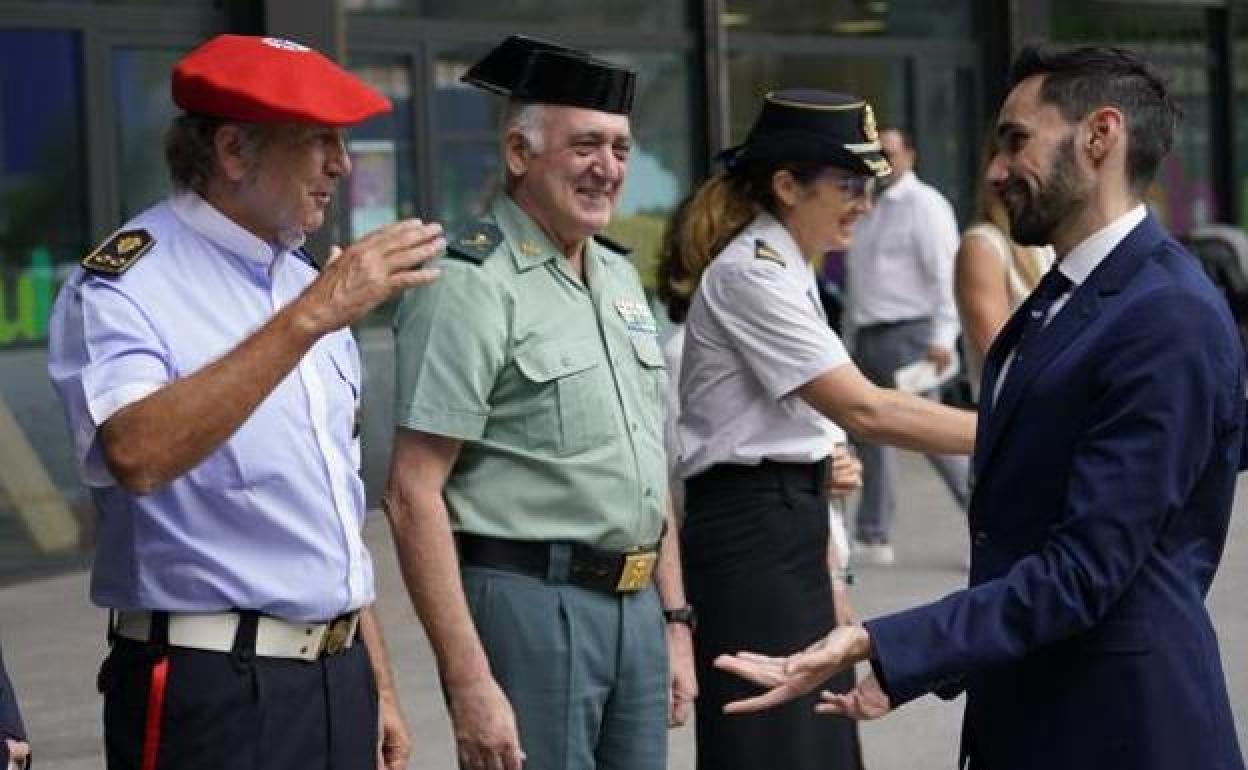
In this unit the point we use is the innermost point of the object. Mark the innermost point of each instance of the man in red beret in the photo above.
(212, 387)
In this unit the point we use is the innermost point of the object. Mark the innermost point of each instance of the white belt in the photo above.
(275, 638)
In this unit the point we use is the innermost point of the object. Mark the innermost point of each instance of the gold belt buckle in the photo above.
(637, 569)
(335, 640)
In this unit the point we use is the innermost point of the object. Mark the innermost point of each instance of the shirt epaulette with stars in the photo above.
(116, 255)
(763, 251)
(474, 243)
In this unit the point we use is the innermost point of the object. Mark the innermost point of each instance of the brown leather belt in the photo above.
(611, 572)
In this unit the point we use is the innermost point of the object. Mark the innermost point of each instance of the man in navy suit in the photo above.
(1106, 457)
(13, 746)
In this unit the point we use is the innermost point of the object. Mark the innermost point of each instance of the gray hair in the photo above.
(190, 148)
(529, 120)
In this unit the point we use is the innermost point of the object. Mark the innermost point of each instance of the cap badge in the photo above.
(285, 45)
(868, 124)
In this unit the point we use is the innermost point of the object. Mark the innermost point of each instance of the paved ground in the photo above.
(53, 642)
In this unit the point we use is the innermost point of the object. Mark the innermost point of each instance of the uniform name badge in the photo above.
(637, 316)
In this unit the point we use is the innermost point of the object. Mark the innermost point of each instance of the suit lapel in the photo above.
(1080, 312)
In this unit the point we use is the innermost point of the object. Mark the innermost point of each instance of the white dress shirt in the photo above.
(900, 264)
(1079, 264)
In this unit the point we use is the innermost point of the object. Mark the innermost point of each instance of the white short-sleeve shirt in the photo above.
(756, 332)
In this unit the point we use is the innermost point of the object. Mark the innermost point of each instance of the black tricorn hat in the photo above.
(540, 71)
(806, 124)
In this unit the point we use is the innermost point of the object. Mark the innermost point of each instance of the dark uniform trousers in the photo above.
(173, 708)
(754, 546)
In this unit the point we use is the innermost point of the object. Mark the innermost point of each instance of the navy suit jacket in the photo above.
(10, 718)
(1105, 474)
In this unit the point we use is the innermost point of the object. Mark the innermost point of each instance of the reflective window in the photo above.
(43, 184)
(43, 231)
(944, 100)
(615, 14)
(141, 78)
(866, 18)
(1172, 40)
(383, 174)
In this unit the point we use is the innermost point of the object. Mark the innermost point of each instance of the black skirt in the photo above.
(754, 545)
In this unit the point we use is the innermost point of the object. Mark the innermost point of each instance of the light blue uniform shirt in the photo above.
(271, 520)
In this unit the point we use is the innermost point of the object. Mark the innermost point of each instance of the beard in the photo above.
(1036, 214)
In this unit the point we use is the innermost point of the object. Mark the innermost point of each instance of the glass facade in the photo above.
(660, 14)
(871, 18)
(913, 60)
(1175, 41)
(141, 87)
(43, 226)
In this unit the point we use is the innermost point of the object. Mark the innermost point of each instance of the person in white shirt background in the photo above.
(899, 287)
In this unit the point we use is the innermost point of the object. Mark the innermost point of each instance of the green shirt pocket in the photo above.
(653, 378)
(572, 411)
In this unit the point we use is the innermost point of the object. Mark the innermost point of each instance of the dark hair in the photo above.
(190, 148)
(1079, 80)
(704, 223)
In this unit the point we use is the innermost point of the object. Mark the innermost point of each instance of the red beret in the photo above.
(270, 80)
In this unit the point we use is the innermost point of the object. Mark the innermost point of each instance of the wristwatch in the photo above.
(684, 615)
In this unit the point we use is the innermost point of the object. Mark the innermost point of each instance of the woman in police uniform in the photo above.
(761, 377)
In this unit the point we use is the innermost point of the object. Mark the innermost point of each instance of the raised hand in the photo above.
(371, 271)
(791, 677)
(866, 701)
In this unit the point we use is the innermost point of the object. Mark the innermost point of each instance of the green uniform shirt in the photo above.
(556, 389)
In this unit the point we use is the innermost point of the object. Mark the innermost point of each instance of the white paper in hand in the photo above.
(922, 375)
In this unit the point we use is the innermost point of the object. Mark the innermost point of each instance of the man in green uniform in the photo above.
(527, 490)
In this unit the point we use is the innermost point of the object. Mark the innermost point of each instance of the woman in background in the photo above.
(992, 273)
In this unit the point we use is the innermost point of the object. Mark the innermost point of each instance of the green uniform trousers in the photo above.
(586, 672)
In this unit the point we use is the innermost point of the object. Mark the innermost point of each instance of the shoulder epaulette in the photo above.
(763, 251)
(614, 246)
(115, 256)
(474, 243)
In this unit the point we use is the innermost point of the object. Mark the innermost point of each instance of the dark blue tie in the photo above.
(1053, 285)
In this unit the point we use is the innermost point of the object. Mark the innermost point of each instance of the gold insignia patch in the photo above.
(118, 253)
(868, 124)
(763, 251)
(475, 243)
(530, 249)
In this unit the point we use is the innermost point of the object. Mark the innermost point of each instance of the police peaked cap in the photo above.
(809, 125)
(539, 71)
